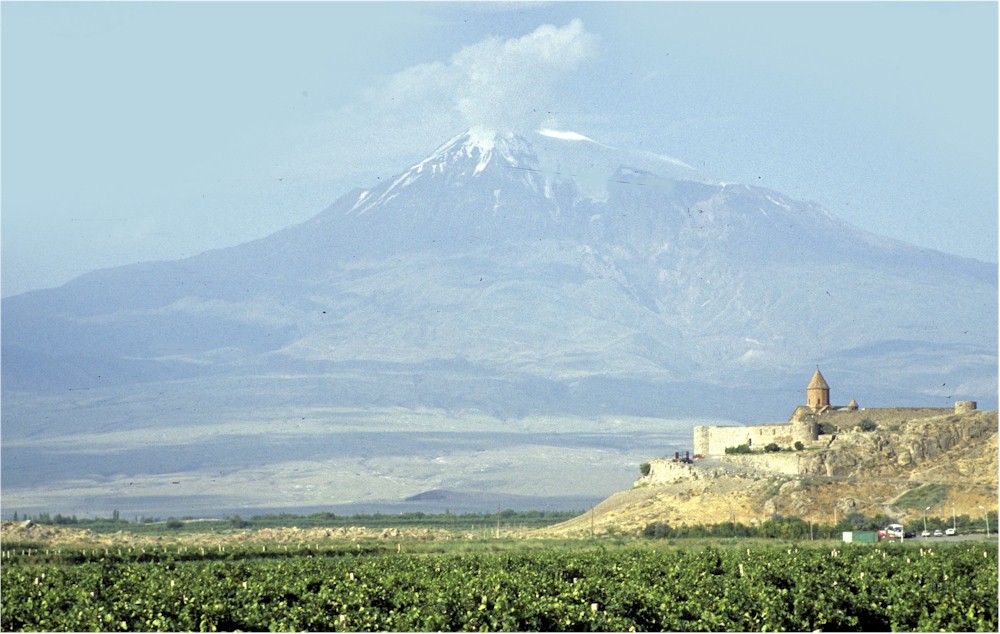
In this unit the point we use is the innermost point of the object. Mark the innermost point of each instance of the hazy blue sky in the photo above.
(135, 131)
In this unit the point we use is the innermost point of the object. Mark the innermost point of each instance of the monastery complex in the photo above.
(804, 424)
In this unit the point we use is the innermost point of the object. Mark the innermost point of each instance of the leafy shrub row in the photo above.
(770, 447)
(851, 588)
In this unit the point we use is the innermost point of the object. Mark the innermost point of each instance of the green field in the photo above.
(505, 520)
(517, 585)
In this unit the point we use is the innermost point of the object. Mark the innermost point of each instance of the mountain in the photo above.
(516, 277)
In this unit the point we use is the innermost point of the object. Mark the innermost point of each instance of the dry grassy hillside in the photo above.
(898, 469)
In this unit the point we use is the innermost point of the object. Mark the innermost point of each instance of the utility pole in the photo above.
(925, 518)
(986, 516)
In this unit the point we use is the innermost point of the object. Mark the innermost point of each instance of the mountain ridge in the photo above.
(648, 248)
(589, 285)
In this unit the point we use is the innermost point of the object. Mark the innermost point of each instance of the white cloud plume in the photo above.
(504, 85)
(495, 84)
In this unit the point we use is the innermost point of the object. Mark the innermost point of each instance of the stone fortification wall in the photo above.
(785, 463)
(803, 426)
(712, 441)
(848, 417)
(806, 432)
(701, 439)
(665, 471)
(845, 419)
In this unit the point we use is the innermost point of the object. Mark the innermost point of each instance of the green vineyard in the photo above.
(650, 587)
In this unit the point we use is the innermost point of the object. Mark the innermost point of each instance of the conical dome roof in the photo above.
(817, 382)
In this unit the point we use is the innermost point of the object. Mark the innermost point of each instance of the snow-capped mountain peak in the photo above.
(482, 146)
(468, 154)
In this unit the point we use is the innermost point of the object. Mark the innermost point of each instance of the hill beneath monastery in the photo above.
(947, 462)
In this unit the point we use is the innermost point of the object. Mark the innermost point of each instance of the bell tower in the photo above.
(818, 392)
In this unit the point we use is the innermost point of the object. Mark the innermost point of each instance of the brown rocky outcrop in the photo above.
(851, 471)
(902, 448)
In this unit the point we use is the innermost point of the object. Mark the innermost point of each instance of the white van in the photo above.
(896, 530)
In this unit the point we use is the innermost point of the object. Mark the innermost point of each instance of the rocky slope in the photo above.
(946, 462)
